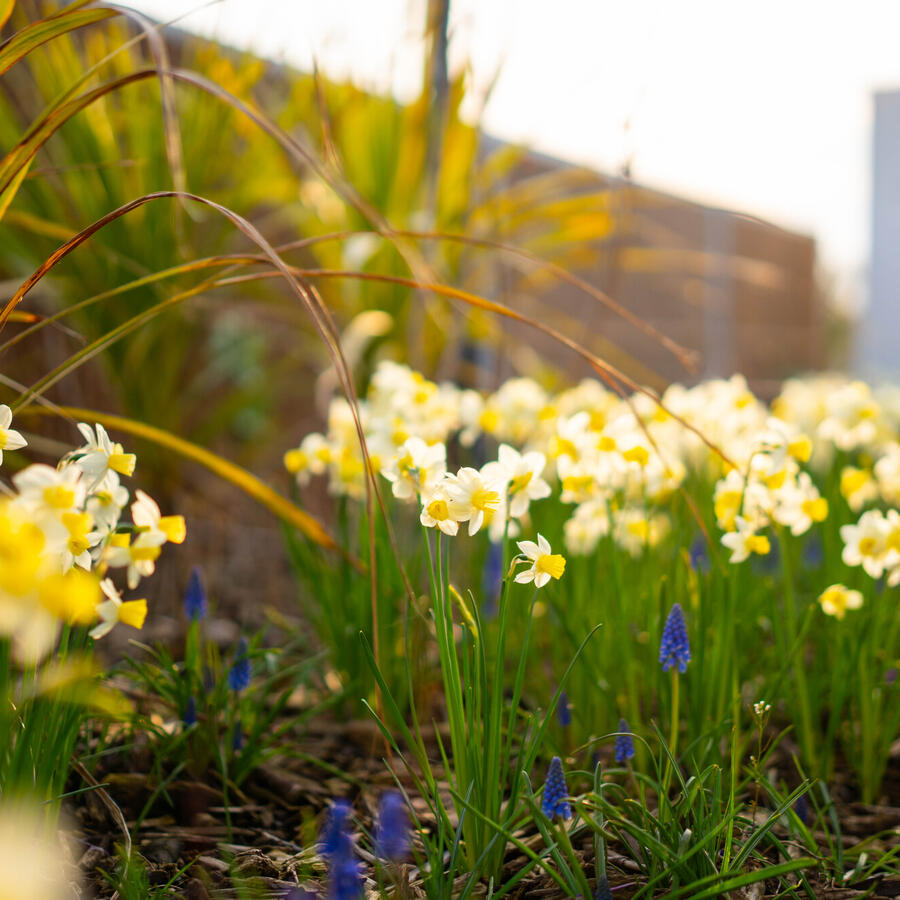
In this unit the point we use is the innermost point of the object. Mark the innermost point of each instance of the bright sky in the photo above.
(764, 107)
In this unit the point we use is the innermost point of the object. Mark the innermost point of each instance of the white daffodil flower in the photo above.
(866, 544)
(49, 491)
(415, 468)
(473, 494)
(745, 541)
(837, 599)
(10, 439)
(138, 557)
(113, 610)
(149, 521)
(545, 564)
(522, 473)
(99, 455)
(437, 512)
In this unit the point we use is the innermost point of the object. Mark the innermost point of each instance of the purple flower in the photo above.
(335, 837)
(239, 673)
(345, 880)
(554, 801)
(564, 710)
(624, 747)
(195, 603)
(392, 830)
(190, 711)
(674, 648)
(699, 553)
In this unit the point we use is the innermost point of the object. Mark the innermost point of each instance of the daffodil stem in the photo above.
(443, 626)
(790, 604)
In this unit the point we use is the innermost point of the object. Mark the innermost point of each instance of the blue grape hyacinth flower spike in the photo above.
(392, 841)
(564, 710)
(240, 671)
(674, 648)
(624, 747)
(335, 839)
(554, 801)
(345, 881)
(196, 604)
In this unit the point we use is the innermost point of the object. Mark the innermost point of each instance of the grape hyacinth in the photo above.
(190, 712)
(624, 747)
(196, 604)
(345, 880)
(674, 648)
(392, 830)
(699, 553)
(335, 838)
(239, 673)
(564, 710)
(554, 801)
(237, 738)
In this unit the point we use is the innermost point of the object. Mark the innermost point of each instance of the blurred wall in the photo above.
(877, 351)
(739, 292)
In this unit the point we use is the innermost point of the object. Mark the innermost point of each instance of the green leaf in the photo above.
(26, 40)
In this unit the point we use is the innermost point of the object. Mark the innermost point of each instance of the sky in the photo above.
(763, 107)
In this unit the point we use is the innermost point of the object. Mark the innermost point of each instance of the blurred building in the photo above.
(878, 352)
(739, 293)
(736, 293)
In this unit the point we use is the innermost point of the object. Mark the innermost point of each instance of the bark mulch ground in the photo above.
(262, 843)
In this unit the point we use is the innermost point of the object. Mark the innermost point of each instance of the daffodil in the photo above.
(99, 455)
(80, 539)
(415, 468)
(149, 521)
(50, 492)
(799, 505)
(437, 512)
(637, 529)
(137, 557)
(866, 543)
(744, 541)
(310, 458)
(545, 564)
(10, 439)
(585, 528)
(837, 599)
(858, 487)
(106, 502)
(473, 494)
(852, 417)
(114, 610)
(887, 475)
(521, 474)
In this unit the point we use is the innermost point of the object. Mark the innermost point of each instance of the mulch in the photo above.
(263, 843)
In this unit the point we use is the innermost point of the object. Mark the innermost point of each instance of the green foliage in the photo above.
(225, 727)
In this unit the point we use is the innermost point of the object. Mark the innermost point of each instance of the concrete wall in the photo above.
(878, 352)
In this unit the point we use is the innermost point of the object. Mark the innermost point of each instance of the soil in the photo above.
(263, 845)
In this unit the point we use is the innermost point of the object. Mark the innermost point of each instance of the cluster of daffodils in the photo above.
(496, 496)
(63, 536)
(769, 488)
(618, 461)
